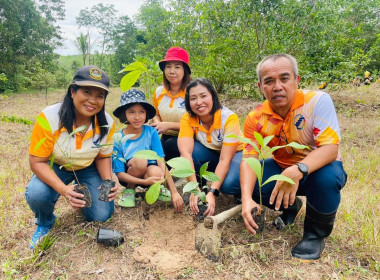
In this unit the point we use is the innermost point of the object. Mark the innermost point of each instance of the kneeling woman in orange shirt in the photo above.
(203, 138)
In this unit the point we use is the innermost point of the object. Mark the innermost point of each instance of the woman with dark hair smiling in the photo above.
(169, 99)
(203, 138)
(57, 158)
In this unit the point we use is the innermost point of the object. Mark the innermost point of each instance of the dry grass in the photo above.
(163, 246)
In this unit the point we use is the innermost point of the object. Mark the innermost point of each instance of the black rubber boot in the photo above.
(317, 227)
(288, 215)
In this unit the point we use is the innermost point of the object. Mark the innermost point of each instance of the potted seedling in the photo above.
(264, 152)
(180, 168)
(199, 190)
(79, 187)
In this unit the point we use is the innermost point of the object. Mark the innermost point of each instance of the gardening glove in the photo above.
(247, 206)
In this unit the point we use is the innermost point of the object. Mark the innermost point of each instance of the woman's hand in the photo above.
(161, 127)
(113, 193)
(210, 198)
(74, 198)
(177, 201)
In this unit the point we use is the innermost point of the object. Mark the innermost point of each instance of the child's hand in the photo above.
(177, 201)
(151, 180)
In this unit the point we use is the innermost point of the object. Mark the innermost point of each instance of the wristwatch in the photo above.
(303, 168)
(214, 191)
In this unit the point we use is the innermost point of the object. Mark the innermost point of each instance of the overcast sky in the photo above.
(70, 29)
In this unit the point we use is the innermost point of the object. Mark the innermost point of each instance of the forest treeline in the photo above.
(334, 40)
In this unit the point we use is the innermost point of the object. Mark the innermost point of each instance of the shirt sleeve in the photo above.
(326, 127)
(185, 130)
(117, 164)
(156, 143)
(249, 129)
(42, 140)
(231, 127)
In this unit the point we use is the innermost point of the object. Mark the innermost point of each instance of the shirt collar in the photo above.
(180, 94)
(217, 124)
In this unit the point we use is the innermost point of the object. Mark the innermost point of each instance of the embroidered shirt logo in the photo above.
(182, 104)
(299, 121)
(96, 74)
(219, 137)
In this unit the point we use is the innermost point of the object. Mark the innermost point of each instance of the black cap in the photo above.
(91, 75)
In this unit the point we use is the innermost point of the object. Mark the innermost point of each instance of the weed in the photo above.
(15, 119)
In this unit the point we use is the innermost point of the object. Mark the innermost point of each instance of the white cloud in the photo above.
(70, 29)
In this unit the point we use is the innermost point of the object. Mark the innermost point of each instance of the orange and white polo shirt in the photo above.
(81, 152)
(225, 123)
(170, 108)
(311, 121)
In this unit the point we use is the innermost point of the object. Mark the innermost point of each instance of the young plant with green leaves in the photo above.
(181, 168)
(265, 152)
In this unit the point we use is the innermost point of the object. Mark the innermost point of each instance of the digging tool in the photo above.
(208, 237)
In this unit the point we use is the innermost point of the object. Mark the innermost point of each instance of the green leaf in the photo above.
(40, 143)
(202, 196)
(259, 138)
(254, 163)
(210, 176)
(279, 178)
(267, 140)
(52, 161)
(83, 127)
(189, 187)
(43, 123)
(147, 154)
(153, 193)
(126, 137)
(129, 80)
(180, 163)
(182, 173)
(245, 140)
(203, 169)
(117, 137)
(297, 146)
(137, 65)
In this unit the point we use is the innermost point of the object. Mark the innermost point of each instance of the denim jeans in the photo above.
(42, 198)
(321, 188)
(231, 183)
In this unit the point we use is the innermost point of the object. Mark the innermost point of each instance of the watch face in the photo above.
(303, 168)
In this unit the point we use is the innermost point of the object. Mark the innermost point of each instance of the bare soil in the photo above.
(159, 243)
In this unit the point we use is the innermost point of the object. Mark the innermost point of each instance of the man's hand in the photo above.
(210, 198)
(284, 192)
(247, 207)
(194, 203)
(161, 127)
(177, 201)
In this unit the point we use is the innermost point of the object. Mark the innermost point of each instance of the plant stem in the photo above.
(261, 199)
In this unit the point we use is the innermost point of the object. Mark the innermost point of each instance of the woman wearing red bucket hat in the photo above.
(169, 99)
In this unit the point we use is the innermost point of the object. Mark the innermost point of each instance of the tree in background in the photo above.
(81, 43)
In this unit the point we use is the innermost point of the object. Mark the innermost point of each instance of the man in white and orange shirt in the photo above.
(307, 118)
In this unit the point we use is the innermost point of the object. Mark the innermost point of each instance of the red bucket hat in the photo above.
(175, 54)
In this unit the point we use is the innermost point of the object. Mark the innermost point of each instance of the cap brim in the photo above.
(90, 84)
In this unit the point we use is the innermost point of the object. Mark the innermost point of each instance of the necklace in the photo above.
(82, 132)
